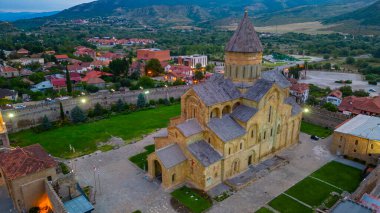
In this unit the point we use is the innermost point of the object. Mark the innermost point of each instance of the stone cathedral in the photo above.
(229, 122)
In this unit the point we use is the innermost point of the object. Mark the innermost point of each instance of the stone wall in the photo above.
(55, 201)
(325, 118)
(32, 115)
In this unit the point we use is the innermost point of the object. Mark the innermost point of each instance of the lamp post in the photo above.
(146, 94)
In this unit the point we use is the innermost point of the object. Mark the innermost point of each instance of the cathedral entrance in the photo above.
(157, 171)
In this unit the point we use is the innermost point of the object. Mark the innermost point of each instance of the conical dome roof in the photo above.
(245, 39)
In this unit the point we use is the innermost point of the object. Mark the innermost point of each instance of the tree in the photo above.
(145, 82)
(327, 66)
(2, 55)
(330, 107)
(153, 68)
(61, 112)
(68, 82)
(350, 60)
(312, 101)
(99, 110)
(198, 75)
(37, 77)
(360, 93)
(346, 91)
(376, 53)
(198, 66)
(77, 115)
(119, 67)
(326, 57)
(119, 106)
(141, 102)
(46, 125)
(210, 67)
(91, 88)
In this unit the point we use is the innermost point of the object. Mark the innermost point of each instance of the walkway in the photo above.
(350, 163)
(6, 204)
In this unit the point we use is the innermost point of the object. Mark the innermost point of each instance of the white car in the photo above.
(19, 107)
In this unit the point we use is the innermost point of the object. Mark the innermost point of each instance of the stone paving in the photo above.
(124, 188)
(6, 204)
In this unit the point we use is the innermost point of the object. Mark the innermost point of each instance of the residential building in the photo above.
(191, 60)
(80, 67)
(8, 94)
(24, 171)
(358, 138)
(95, 74)
(22, 52)
(360, 105)
(96, 81)
(28, 61)
(62, 58)
(8, 72)
(108, 56)
(84, 51)
(229, 122)
(42, 86)
(300, 91)
(335, 97)
(178, 72)
(147, 54)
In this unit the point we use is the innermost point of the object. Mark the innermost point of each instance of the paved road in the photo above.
(6, 204)
(124, 188)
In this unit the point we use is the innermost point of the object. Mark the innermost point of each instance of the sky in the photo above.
(37, 5)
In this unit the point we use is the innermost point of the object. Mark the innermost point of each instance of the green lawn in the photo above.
(315, 192)
(345, 177)
(84, 137)
(313, 129)
(191, 199)
(285, 204)
(263, 210)
(141, 159)
(311, 191)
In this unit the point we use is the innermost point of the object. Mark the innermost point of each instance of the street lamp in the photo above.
(11, 115)
(83, 100)
(306, 110)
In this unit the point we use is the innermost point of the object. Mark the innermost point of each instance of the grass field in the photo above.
(263, 210)
(84, 137)
(141, 159)
(191, 199)
(313, 129)
(316, 189)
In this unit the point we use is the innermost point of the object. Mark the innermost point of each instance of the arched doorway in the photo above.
(215, 113)
(157, 170)
(251, 158)
(226, 110)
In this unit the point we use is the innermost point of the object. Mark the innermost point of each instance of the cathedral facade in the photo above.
(229, 122)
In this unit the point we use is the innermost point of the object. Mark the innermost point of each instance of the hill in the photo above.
(200, 13)
(367, 16)
(13, 16)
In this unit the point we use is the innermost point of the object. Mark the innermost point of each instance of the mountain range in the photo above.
(14, 16)
(214, 13)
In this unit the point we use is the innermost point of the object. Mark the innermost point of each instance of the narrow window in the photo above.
(371, 146)
(270, 114)
(229, 151)
(49, 178)
(271, 132)
(356, 142)
(173, 177)
(265, 134)
(209, 140)
(216, 175)
(252, 134)
(341, 138)
(241, 146)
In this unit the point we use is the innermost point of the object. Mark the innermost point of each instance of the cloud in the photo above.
(38, 5)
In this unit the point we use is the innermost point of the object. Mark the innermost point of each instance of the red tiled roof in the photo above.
(58, 82)
(336, 93)
(61, 56)
(357, 105)
(95, 80)
(9, 69)
(21, 162)
(95, 74)
(299, 87)
(23, 51)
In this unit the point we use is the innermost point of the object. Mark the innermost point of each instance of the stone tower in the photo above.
(243, 54)
(3, 133)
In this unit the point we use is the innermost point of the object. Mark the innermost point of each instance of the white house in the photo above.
(42, 86)
(335, 97)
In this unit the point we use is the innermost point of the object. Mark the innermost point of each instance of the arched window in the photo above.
(270, 114)
(251, 133)
(173, 177)
(278, 129)
(241, 146)
(229, 151)
(356, 142)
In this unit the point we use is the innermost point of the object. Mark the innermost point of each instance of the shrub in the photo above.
(141, 102)
(77, 115)
(152, 102)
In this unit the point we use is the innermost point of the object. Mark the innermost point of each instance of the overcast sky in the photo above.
(38, 5)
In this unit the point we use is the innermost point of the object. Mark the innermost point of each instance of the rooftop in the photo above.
(204, 153)
(189, 127)
(21, 162)
(171, 155)
(226, 128)
(78, 205)
(362, 126)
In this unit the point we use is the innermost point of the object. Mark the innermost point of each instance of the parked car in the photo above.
(19, 107)
(371, 90)
(314, 137)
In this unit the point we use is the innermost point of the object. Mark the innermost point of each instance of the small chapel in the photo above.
(228, 122)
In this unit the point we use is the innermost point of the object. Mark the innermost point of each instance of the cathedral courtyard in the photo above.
(125, 188)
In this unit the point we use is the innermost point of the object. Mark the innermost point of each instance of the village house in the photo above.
(23, 171)
(8, 94)
(84, 51)
(28, 61)
(178, 72)
(108, 56)
(8, 72)
(148, 54)
(229, 122)
(191, 60)
(99, 64)
(80, 67)
(62, 58)
(42, 86)
(360, 105)
(358, 138)
(22, 52)
(59, 81)
(299, 90)
(335, 97)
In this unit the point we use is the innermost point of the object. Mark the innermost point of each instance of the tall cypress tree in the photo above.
(68, 82)
(62, 114)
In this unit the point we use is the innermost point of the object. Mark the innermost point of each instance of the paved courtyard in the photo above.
(124, 188)
(6, 204)
(327, 79)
